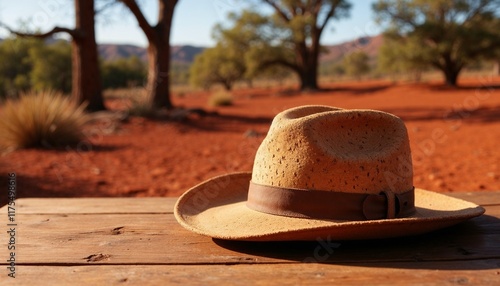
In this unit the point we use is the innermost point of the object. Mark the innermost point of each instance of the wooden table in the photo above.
(125, 241)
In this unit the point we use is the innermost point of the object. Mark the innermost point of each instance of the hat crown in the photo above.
(331, 149)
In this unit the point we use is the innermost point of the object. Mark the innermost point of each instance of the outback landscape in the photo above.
(155, 120)
(454, 142)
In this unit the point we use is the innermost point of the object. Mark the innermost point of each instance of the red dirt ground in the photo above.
(454, 134)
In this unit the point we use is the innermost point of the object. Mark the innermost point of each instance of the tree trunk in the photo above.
(309, 70)
(308, 79)
(451, 75)
(308, 62)
(158, 86)
(157, 89)
(227, 85)
(85, 64)
(496, 68)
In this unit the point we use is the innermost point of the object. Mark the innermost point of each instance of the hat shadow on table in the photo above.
(458, 242)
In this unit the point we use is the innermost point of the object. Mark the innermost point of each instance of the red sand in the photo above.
(454, 136)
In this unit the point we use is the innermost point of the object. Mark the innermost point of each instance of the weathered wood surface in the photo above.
(137, 240)
(157, 238)
(435, 273)
(96, 205)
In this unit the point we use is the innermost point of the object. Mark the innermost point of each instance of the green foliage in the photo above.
(179, 73)
(218, 65)
(51, 67)
(40, 119)
(445, 34)
(274, 73)
(332, 68)
(401, 55)
(356, 64)
(16, 65)
(220, 98)
(27, 63)
(129, 72)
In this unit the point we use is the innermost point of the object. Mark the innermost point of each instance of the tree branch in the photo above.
(143, 23)
(282, 13)
(72, 32)
(330, 13)
(105, 7)
(476, 11)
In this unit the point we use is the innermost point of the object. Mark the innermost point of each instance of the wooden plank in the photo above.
(96, 205)
(158, 204)
(158, 238)
(480, 198)
(413, 273)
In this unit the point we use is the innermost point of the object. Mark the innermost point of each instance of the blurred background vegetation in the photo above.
(279, 45)
(421, 38)
(35, 64)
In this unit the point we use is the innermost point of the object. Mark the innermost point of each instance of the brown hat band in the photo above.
(329, 205)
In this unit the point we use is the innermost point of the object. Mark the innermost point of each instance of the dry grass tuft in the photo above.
(141, 106)
(220, 98)
(40, 119)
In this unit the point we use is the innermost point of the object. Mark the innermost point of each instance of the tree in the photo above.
(291, 36)
(158, 35)
(356, 64)
(218, 65)
(449, 33)
(86, 82)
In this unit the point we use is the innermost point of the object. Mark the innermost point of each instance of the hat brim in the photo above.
(216, 208)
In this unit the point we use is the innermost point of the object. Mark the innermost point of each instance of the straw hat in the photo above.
(323, 172)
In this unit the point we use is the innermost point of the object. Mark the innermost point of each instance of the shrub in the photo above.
(141, 107)
(220, 99)
(41, 119)
(129, 72)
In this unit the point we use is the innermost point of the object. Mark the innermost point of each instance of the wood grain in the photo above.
(412, 273)
(96, 205)
(159, 239)
(113, 241)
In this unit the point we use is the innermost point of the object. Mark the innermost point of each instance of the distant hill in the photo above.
(111, 52)
(185, 53)
(369, 45)
(181, 54)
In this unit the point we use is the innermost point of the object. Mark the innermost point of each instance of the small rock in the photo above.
(492, 175)
(101, 182)
(440, 184)
(158, 172)
(179, 114)
(250, 133)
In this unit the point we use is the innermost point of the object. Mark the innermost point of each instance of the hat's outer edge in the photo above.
(195, 210)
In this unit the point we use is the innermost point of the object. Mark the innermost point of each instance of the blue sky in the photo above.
(192, 24)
